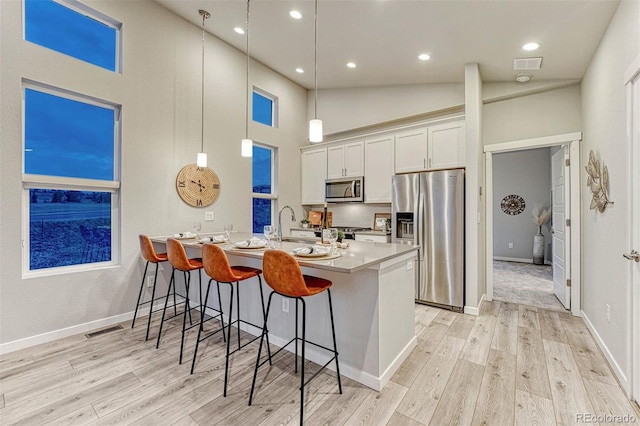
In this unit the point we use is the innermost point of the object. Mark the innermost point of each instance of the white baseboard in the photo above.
(475, 311)
(50, 336)
(622, 378)
(518, 259)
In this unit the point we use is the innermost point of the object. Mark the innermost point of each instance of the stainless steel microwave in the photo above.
(345, 189)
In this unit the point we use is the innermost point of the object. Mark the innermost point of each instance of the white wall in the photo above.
(159, 91)
(552, 112)
(528, 174)
(347, 109)
(606, 235)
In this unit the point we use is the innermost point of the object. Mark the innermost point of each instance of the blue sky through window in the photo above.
(64, 137)
(262, 111)
(261, 176)
(64, 30)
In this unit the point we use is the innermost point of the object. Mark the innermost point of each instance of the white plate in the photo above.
(319, 258)
(250, 247)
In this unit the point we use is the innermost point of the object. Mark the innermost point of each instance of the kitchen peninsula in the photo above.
(373, 302)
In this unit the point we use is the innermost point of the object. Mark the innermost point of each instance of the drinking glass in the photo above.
(269, 232)
(333, 237)
(227, 232)
(197, 227)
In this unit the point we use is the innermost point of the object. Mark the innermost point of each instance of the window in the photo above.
(264, 193)
(70, 187)
(75, 30)
(265, 107)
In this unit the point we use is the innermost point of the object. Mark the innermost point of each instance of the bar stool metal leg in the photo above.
(264, 330)
(264, 316)
(304, 339)
(333, 334)
(144, 275)
(153, 295)
(166, 301)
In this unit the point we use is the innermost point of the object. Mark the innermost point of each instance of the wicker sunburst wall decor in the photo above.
(598, 182)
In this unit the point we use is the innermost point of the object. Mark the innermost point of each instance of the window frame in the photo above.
(273, 195)
(30, 181)
(275, 107)
(90, 13)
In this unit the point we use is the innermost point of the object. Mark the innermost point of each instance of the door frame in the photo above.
(633, 135)
(573, 204)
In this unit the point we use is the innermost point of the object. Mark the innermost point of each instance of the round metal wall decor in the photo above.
(512, 204)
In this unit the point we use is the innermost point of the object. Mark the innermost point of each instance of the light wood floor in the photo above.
(513, 364)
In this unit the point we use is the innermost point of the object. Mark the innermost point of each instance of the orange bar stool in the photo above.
(179, 261)
(149, 254)
(283, 274)
(216, 265)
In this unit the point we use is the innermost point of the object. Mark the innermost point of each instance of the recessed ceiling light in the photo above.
(531, 46)
(424, 57)
(351, 65)
(295, 14)
(299, 70)
(239, 30)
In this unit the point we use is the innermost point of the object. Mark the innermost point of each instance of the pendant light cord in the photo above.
(205, 15)
(315, 60)
(246, 111)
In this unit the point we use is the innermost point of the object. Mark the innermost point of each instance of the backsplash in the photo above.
(352, 214)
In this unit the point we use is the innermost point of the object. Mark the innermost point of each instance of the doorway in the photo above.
(572, 216)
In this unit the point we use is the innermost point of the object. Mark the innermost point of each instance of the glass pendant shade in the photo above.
(247, 148)
(315, 130)
(202, 159)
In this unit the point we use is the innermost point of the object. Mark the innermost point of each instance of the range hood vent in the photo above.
(527, 63)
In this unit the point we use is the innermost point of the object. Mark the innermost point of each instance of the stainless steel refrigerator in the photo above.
(428, 209)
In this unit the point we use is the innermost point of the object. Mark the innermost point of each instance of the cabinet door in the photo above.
(314, 173)
(378, 169)
(446, 146)
(411, 150)
(354, 159)
(335, 161)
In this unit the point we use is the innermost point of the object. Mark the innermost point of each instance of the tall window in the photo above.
(265, 108)
(75, 30)
(263, 182)
(70, 178)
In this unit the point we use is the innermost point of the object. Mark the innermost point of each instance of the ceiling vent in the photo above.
(527, 63)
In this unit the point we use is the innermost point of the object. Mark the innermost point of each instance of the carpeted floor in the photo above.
(524, 283)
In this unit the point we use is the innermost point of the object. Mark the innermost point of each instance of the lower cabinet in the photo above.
(302, 233)
(373, 238)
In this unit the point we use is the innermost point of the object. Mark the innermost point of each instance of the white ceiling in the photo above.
(384, 37)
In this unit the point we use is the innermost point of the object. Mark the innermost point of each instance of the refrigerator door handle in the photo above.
(417, 228)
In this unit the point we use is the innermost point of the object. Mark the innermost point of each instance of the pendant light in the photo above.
(247, 144)
(315, 125)
(201, 160)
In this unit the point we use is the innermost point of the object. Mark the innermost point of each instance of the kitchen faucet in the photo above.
(293, 219)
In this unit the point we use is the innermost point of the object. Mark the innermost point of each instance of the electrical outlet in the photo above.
(409, 265)
(149, 281)
(608, 313)
(209, 216)
(285, 305)
(510, 245)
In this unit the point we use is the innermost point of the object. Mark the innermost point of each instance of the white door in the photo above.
(560, 240)
(634, 126)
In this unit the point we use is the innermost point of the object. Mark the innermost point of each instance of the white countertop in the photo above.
(358, 256)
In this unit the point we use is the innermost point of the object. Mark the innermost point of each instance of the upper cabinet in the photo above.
(446, 146)
(378, 169)
(411, 150)
(345, 160)
(314, 173)
(439, 146)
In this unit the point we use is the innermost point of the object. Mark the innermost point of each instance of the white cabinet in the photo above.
(302, 233)
(378, 238)
(314, 173)
(378, 169)
(411, 150)
(440, 146)
(345, 160)
(446, 146)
